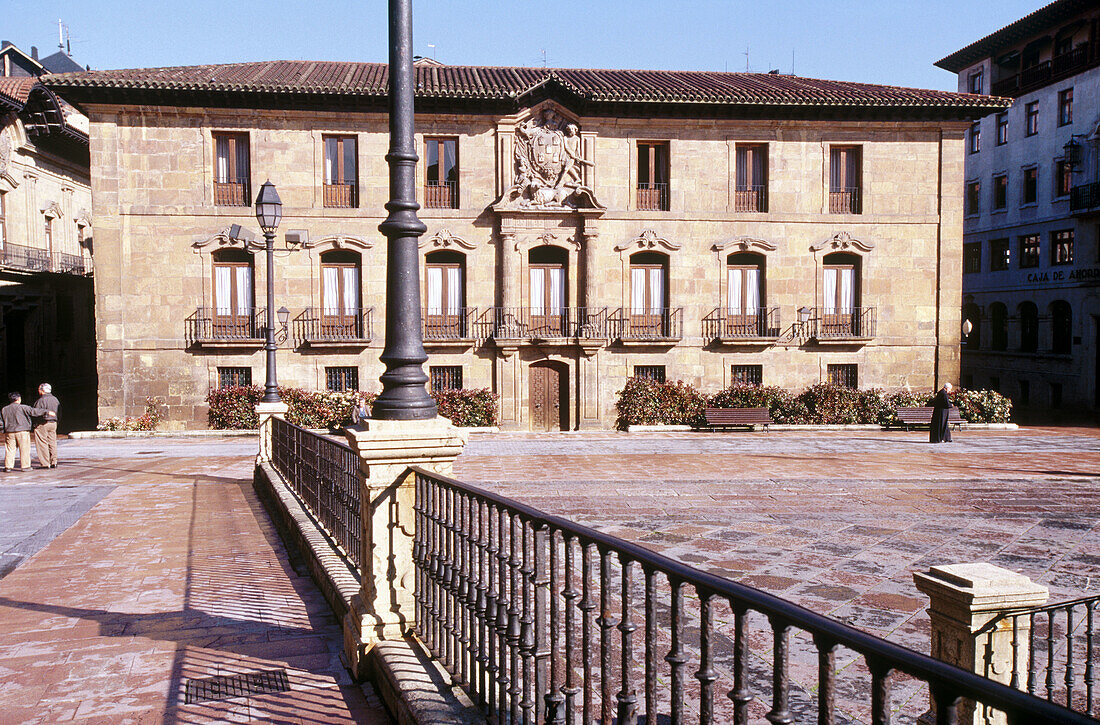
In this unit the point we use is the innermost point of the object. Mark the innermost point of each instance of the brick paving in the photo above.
(174, 573)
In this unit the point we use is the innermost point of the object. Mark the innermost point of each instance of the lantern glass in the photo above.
(269, 208)
(284, 316)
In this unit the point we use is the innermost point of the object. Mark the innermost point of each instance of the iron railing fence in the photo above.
(857, 323)
(441, 195)
(28, 258)
(652, 196)
(226, 325)
(324, 475)
(538, 323)
(536, 617)
(341, 196)
(1053, 651)
(1085, 197)
(441, 325)
(1059, 66)
(663, 323)
(231, 193)
(317, 324)
(71, 263)
(721, 324)
(751, 198)
(846, 201)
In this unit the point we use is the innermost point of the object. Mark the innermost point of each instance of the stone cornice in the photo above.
(744, 244)
(444, 239)
(843, 242)
(648, 240)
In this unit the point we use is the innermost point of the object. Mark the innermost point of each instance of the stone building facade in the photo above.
(583, 227)
(1032, 224)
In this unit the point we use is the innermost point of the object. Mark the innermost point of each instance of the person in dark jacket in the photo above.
(17, 422)
(45, 428)
(940, 430)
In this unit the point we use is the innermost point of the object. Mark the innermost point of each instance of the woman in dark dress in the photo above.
(940, 430)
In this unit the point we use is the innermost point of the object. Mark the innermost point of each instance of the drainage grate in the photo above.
(245, 684)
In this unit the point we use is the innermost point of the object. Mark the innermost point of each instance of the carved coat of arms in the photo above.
(549, 165)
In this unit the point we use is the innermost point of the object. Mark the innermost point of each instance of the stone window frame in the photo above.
(1031, 119)
(235, 135)
(656, 373)
(1031, 256)
(447, 375)
(859, 248)
(657, 167)
(1000, 254)
(972, 257)
(455, 192)
(1000, 184)
(973, 200)
(737, 245)
(1029, 180)
(1002, 128)
(342, 378)
(341, 138)
(647, 241)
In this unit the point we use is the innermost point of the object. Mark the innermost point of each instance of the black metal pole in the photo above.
(271, 386)
(403, 396)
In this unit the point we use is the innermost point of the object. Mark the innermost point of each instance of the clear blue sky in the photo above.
(889, 41)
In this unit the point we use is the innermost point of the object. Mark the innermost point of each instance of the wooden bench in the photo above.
(910, 417)
(740, 417)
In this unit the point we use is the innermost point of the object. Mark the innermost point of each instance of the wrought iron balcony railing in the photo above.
(1039, 74)
(231, 193)
(653, 197)
(443, 325)
(846, 201)
(857, 323)
(1085, 197)
(28, 258)
(721, 324)
(320, 325)
(540, 323)
(71, 263)
(441, 195)
(214, 324)
(341, 196)
(752, 198)
(659, 324)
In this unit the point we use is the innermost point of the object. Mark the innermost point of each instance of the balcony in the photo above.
(1058, 67)
(219, 327)
(231, 193)
(753, 198)
(441, 195)
(1085, 199)
(340, 196)
(662, 325)
(538, 324)
(846, 201)
(726, 328)
(318, 327)
(839, 326)
(33, 259)
(443, 328)
(652, 197)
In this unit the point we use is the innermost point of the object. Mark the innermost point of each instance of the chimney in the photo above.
(34, 52)
(5, 44)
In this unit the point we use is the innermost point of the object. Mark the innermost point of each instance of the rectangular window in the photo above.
(441, 173)
(974, 197)
(975, 81)
(1000, 255)
(972, 257)
(1031, 118)
(1002, 128)
(1029, 251)
(341, 172)
(1000, 191)
(656, 373)
(1063, 178)
(975, 137)
(752, 178)
(747, 374)
(445, 377)
(1029, 193)
(341, 379)
(845, 180)
(1065, 107)
(231, 170)
(653, 174)
(1061, 247)
(234, 377)
(843, 376)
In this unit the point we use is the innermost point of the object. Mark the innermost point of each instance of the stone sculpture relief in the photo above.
(549, 165)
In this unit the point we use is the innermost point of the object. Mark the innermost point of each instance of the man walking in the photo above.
(16, 418)
(45, 429)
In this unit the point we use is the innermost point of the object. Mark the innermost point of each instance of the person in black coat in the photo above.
(940, 430)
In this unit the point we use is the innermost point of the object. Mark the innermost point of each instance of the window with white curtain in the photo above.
(232, 289)
(648, 283)
(547, 289)
(445, 289)
(340, 289)
(839, 284)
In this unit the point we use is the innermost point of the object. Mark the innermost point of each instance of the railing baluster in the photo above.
(1031, 654)
(570, 595)
(676, 657)
(502, 615)
(1014, 682)
(780, 713)
(706, 674)
(740, 693)
(607, 623)
(480, 606)
(492, 668)
(587, 604)
(880, 693)
(650, 645)
(826, 680)
(433, 571)
(1050, 655)
(527, 622)
(465, 588)
(446, 552)
(947, 705)
(1089, 674)
(627, 698)
(515, 688)
(1069, 656)
(543, 624)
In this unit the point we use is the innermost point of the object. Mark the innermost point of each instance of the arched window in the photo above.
(1061, 321)
(973, 314)
(445, 294)
(233, 294)
(648, 294)
(546, 268)
(745, 294)
(340, 308)
(840, 301)
(998, 315)
(1029, 326)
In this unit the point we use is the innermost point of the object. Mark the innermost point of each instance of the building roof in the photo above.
(16, 89)
(1042, 19)
(61, 62)
(172, 86)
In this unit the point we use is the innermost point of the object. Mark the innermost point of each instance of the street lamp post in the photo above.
(403, 396)
(269, 212)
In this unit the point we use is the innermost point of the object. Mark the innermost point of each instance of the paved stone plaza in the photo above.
(140, 563)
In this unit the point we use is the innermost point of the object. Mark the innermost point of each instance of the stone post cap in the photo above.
(271, 408)
(413, 442)
(978, 586)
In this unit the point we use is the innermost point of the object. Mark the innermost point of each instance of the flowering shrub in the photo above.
(149, 420)
(234, 408)
(983, 406)
(647, 402)
(467, 408)
(781, 404)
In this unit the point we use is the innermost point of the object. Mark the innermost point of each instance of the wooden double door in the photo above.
(549, 396)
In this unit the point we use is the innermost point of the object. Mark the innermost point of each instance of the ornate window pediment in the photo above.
(443, 239)
(744, 244)
(225, 239)
(843, 242)
(52, 210)
(648, 240)
(338, 241)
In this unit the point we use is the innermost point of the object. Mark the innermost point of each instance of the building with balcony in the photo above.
(583, 227)
(1031, 259)
(46, 298)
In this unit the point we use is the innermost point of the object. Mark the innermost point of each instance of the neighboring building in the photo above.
(584, 226)
(1032, 244)
(46, 299)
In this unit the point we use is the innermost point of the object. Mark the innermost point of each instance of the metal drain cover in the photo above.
(245, 684)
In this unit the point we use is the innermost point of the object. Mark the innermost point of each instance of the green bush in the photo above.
(781, 404)
(467, 408)
(149, 420)
(983, 406)
(647, 402)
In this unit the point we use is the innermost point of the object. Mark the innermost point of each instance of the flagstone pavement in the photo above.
(141, 563)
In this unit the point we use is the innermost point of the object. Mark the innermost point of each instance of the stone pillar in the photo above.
(384, 608)
(591, 264)
(265, 412)
(509, 265)
(963, 599)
